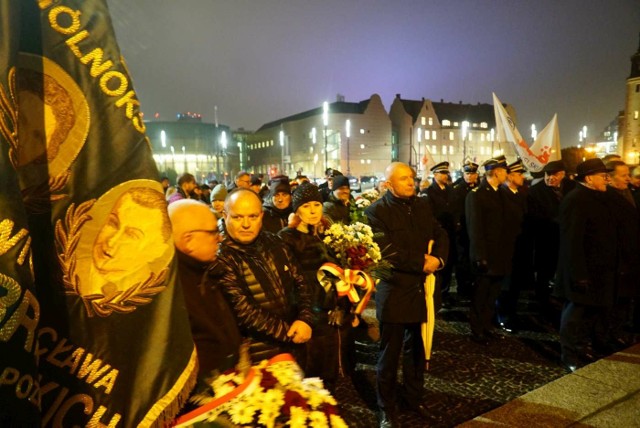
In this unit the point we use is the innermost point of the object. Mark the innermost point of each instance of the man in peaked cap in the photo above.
(515, 204)
(489, 255)
(543, 204)
(440, 196)
(588, 261)
(461, 188)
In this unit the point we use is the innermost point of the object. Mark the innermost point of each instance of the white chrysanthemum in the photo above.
(318, 420)
(312, 383)
(242, 414)
(298, 418)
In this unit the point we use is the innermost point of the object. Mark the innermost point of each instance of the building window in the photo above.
(475, 125)
(423, 120)
(481, 137)
(635, 114)
(433, 149)
(431, 119)
(455, 123)
(446, 122)
(444, 150)
(470, 136)
(451, 135)
(433, 135)
(450, 150)
(427, 135)
(483, 125)
(361, 131)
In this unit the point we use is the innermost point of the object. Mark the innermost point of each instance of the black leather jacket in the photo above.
(266, 289)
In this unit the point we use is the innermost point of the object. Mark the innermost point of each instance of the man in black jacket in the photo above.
(587, 264)
(489, 253)
(440, 197)
(213, 324)
(406, 226)
(262, 281)
(543, 204)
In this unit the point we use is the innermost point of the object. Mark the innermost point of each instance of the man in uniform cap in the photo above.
(461, 187)
(543, 204)
(588, 260)
(515, 205)
(440, 196)
(489, 252)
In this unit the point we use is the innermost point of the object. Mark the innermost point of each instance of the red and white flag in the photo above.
(545, 148)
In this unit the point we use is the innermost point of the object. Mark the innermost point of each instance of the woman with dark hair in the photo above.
(304, 235)
(277, 206)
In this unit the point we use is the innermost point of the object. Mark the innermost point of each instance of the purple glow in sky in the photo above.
(261, 60)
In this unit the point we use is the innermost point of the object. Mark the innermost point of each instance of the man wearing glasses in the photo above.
(588, 262)
(440, 197)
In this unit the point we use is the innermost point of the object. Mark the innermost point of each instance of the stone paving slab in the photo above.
(603, 394)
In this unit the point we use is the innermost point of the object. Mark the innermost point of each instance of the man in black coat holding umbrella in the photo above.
(587, 263)
(406, 225)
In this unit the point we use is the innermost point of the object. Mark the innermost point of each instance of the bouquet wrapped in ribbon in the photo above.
(359, 262)
(273, 393)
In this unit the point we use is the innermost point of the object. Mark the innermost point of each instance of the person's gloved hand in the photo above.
(481, 266)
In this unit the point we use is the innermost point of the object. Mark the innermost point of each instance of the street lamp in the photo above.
(223, 140)
(534, 132)
(465, 127)
(163, 138)
(325, 122)
(348, 131)
(184, 157)
(281, 151)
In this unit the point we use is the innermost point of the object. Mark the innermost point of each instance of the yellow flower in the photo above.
(337, 422)
(242, 413)
(298, 417)
(318, 420)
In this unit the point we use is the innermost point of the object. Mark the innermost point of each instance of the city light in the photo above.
(163, 138)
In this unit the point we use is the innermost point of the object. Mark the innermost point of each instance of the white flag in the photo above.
(545, 148)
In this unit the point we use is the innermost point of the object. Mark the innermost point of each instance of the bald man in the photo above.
(262, 281)
(406, 225)
(213, 325)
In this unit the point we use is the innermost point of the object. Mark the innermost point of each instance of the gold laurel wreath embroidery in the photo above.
(9, 115)
(37, 199)
(126, 301)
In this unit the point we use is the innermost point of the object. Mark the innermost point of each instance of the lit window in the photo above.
(433, 135)
(426, 134)
(481, 137)
(483, 125)
(362, 161)
(455, 123)
(368, 161)
(481, 150)
(433, 149)
(446, 122)
(423, 120)
(430, 121)
(362, 146)
(470, 136)
(635, 114)
(444, 150)
(451, 135)
(475, 125)
(450, 150)
(271, 143)
(361, 131)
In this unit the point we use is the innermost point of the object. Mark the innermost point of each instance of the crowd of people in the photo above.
(249, 255)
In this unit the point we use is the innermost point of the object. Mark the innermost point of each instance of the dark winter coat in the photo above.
(405, 226)
(336, 210)
(274, 219)
(543, 205)
(489, 240)
(265, 287)
(213, 324)
(628, 238)
(587, 262)
(441, 201)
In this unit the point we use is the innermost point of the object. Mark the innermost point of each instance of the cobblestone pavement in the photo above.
(465, 379)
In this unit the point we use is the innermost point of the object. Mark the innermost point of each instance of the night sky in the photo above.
(261, 60)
